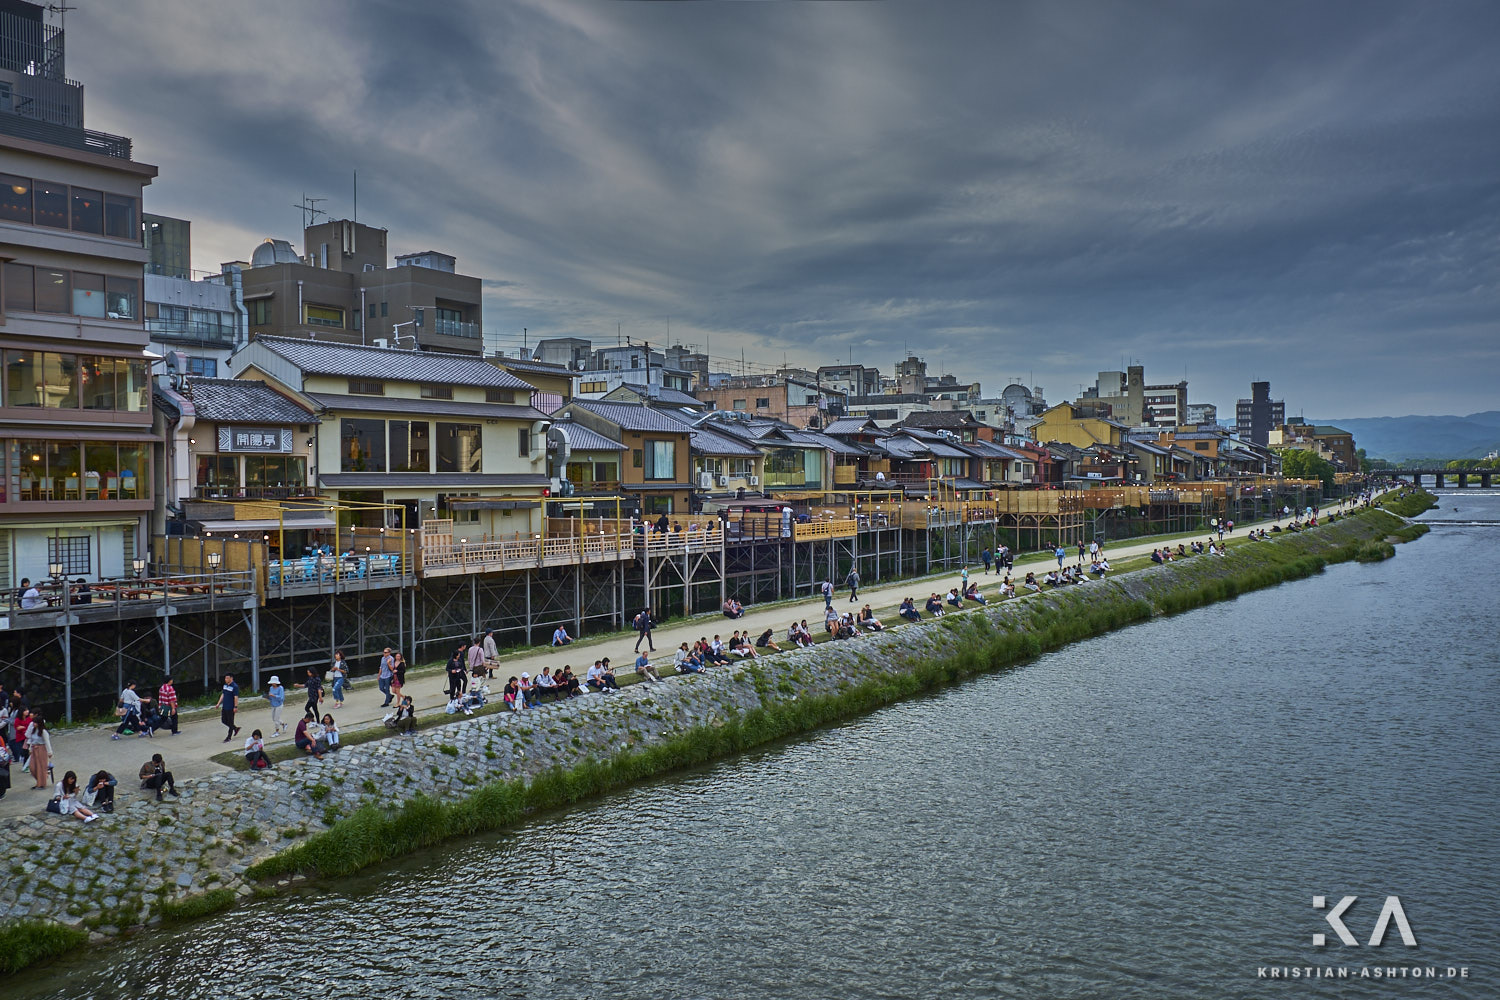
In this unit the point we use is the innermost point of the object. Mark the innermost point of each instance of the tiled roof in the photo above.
(581, 438)
(316, 357)
(707, 442)
(232, 400)
(940, 418)
(427, 407)
(539, 367)
(851, 425)
(674, 397)
(632, 416)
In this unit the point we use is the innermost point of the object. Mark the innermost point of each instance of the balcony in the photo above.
(455, 328)
(442, 554)
(254, 493)
(181, 332)
(83, 139)
(112, 599)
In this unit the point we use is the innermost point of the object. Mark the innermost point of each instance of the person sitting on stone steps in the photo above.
(154, 775)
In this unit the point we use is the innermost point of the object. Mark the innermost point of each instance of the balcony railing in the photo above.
(191, 333)
(455, 328)
(83, 139)
(255, 493)
(128, 596)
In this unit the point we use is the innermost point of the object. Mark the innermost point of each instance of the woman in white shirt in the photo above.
(68, 801)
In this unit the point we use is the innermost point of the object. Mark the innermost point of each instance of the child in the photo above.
(255, 752)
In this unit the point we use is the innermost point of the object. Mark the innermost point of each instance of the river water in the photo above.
(1147, 814)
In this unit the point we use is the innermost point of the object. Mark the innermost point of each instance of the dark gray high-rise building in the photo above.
(1254, 417)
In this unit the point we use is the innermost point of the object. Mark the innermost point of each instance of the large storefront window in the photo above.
(275, 471)
(19, 293)
(219, 473)
(458, 448)
(411, 446)
(361, 445)
(61, 381)
(73, 470)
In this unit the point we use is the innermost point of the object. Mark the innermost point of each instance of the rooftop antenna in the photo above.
(356, 196)
(310, 210)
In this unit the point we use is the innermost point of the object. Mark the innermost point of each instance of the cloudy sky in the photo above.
(1308, 193)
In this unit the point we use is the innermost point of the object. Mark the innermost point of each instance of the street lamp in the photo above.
(139, 565)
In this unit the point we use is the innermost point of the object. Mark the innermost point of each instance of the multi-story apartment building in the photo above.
(1254, 417)
(1134, 403)
(340, 289)
(75, 402)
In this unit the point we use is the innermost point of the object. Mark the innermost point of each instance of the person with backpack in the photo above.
(826, 588)
(852, 582)
(643, 625)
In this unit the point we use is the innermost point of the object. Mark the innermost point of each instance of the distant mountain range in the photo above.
(1404, 439)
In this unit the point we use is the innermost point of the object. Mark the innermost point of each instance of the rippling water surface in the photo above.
(1147, 814)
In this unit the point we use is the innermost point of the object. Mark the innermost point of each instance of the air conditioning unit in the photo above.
(754, 480)
(723, 480)
(705, 480)
(381, 342)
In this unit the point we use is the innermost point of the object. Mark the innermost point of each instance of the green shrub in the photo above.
(29, 941)
(193, 907)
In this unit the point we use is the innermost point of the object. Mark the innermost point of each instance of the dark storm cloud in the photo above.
(1301, 192)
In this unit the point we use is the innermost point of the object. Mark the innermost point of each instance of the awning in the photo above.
(266, 524)
(47, 430)
(115, 522)
(493, 504)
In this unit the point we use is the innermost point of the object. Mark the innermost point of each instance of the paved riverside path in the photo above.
(187, 755)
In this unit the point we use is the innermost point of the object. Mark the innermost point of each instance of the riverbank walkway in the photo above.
(86, 750)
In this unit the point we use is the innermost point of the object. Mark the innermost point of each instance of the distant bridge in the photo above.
(1462, 475)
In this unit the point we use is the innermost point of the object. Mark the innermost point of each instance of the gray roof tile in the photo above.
(323, 358)
(232, 400)
(632, 416)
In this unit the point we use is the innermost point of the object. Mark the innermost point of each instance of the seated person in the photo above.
(406, 716)
(99, 793)
(644, 670)
(1007, 587)
(561, 637)
(718, 652)
(511, 694)
(154, 774)
(953, 598)
(1051, 579)
(868, 621)
(908, 610)
(733, 608)
(568, 683)
(766, 642)
(797, 635)
(830, 620)
(933, 605)
(546, 685)
(255, 752)
(1156, 556)
(1181, 550)
(685, 661)
(66, 800)
(596, 681)
(328, 739)
(1097, 568)
(1030, 583)
(740, 644)
(528, 691)
(305, 741)
(973, 594)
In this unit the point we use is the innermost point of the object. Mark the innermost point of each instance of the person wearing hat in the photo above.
(528, 691)
(276, 697)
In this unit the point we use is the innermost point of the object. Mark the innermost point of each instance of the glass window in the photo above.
(325, 316)
(71, 552)
(88, 294)
(23, 385)
(437, 392)
(101, 470)
(119, 217)
(135, 483)
(31, 467)
(100, 382)
(260, 312)
(661, 460)
(51, 204)
(372, 310)
(18, 289)
(358, 387)
(523, 441)
(63, 461)
(121, 296)
(410, 446)
(218, 472)
(60, 381)
(458, 448)
(88, 211)
(132, 390)
(206, 367)
(53, 290)
(361, 445)
(385, 308)
(15, 198)
(493, 395)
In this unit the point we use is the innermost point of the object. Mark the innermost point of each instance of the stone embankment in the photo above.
(237, 833)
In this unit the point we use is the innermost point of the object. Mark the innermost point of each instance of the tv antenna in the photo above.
(310, 210)
(61, 10)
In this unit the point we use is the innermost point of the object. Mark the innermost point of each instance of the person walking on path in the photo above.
(852, 582)
(276, 697)
(826, 588)
(986, 556)
(340, 672)
(491, 653)
(39, 751)
(476, 661)
(228, 703)
(314, 688)
(166, 704)
(455, 674)
(387, 670)
(643, 625)
(1062, 555)
(963, 581)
